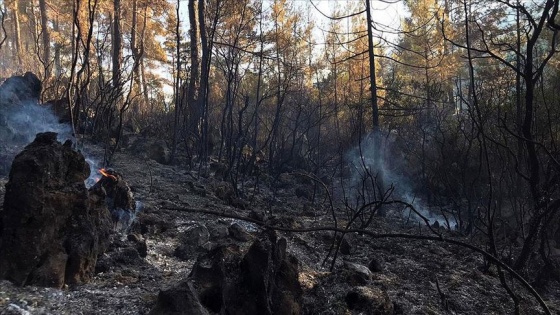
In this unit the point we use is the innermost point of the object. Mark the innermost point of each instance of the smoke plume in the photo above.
(22, 118)
(388, 172)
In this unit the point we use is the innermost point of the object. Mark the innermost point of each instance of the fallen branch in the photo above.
(373, 235)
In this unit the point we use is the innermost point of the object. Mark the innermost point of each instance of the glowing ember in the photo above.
(106, 174)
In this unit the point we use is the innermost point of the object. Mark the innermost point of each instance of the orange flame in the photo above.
(104, 173)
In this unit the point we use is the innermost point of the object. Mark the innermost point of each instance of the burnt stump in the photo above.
(226, 280)
(53, 229)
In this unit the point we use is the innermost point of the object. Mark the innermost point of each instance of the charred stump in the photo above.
(53, 228)
(264, 280)
(119, 198)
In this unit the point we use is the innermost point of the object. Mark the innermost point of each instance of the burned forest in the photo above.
(279, 157)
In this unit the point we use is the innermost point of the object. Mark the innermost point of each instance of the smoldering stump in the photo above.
(119, 198)
(53, 228)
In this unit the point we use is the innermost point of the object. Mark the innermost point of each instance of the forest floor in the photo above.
(410, 270)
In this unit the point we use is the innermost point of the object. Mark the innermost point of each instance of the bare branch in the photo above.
(336, 17)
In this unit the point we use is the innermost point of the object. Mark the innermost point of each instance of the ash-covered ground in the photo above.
(409, 271)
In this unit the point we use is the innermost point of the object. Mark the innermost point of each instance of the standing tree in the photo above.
(117, 47)
(487, 45)
(193, 91)
(46, 37)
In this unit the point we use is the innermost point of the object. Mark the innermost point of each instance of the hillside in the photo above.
(410, 276)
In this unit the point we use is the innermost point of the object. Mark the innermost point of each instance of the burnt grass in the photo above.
(419, 276)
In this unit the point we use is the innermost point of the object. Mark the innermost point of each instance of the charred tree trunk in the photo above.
(178, 89)
(141, 58)
(377, 154)
(117, 46)
(543, 207)
(46, 37)
(136, 45)
(204, 77)
(17, 35)
(193, 92)
(57, 62)
(3, 27)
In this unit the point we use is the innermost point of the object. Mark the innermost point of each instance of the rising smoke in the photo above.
(22, 118)
(388, 172)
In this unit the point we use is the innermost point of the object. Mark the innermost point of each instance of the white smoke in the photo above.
(124, 218)
(389, 174)
(432, 214)
(20, 123)
(28, 120)
(94, 175)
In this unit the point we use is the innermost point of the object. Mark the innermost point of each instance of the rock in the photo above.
(53, 229)
(128, 138)
(257, 215)
(369, 300)
(179, 299)
(14, 309)
(151, 223)
(140, 243)
(345, 246)
(357, 274)
(159, 152)
(375, 265)
(154, 149)
(239, 233)
(120, 254)
(224, 191)
(197, 189)
(192, 240)
(220, 170)
(218, 231)
(128, 256)
(238, 203)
